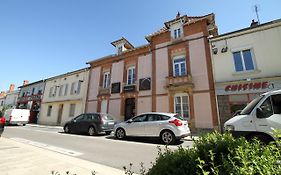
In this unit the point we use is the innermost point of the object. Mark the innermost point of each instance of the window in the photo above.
(182, 106)
(177, 33)
(131, 76)
(140, 118)
(104, 106)
(179, 66)
(79, 87)
(276, 102)
(153, 117)
(120, 49)
(33, 90)
(106, 80)
(72, 90)
(49, 112)
(51, 92)
(65, 89)
(60, 90)
(243, 61)
(72, 110)
(266, 108)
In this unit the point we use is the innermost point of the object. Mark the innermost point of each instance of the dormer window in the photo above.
(122, 45)
(177, 33)
(120, 50)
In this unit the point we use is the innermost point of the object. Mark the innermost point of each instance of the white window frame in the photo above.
(106, 80)
(133, 80)
(243, 60)
(177, 32)
(188, 103)
(180, 73)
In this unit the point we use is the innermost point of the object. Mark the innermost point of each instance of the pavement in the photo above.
(21, 159)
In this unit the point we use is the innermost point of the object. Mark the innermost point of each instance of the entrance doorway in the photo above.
(60, 114)
(130, 108)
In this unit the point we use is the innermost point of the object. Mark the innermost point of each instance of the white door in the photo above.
(104, 106)
(270, 117)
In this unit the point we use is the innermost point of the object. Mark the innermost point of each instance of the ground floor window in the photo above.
(182, 105)
(103, 106)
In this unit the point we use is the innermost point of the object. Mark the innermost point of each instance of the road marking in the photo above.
(49, 147)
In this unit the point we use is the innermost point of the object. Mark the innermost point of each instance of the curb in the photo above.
(44, 126)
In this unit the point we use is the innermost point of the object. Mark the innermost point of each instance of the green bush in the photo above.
(219, 154)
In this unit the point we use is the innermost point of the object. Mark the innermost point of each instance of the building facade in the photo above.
(64, 97)
(246, 63)
(11, 97)
(172, 73)
(30, 97)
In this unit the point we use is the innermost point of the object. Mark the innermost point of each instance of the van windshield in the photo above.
(248, 109)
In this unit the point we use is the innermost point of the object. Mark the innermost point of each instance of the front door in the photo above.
(130, 108)
(60, 114)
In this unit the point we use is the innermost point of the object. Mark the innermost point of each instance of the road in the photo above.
(100, 149)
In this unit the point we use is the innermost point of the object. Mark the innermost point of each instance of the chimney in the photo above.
(25, 82)
(2, 94)
(178, 15)
(12, 88)
(254, 23)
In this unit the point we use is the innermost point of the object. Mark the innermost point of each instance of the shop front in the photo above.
(232, 97)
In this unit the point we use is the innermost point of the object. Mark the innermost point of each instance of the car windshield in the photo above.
(107, 117)
(248, 109)
(179, 117)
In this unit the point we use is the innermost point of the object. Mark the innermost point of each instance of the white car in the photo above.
(169, 127)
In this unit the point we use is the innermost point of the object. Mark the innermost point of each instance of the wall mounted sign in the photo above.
(129, 88)
(247, 86)
(144, 84)
(115, 88)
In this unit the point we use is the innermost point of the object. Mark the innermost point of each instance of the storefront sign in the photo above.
(247, 86)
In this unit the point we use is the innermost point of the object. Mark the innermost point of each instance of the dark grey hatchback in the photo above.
(91, 123)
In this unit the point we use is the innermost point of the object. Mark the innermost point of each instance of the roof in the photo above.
(128, 45)
(29, 84)
(250, 29)
(68, 73)
(186, 21)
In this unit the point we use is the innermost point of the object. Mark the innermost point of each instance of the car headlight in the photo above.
(229, 128)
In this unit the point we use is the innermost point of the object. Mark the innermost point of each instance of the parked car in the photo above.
(2, 125)
(91, 123)
(169, 127)
(17, 116)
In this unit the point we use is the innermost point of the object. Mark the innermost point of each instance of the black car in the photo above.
(91, 123)
(2, 125)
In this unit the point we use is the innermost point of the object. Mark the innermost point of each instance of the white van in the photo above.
(258, 119)
(17, 116)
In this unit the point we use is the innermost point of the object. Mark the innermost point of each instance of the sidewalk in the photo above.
(22, 159)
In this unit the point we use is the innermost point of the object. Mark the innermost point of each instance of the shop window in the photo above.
(49, 112)
(179, 65)
(72, 110)
(243, 61)
(131, 75)
(106, 80)
(182, 106)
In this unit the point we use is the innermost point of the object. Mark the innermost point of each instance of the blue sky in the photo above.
(45, 38)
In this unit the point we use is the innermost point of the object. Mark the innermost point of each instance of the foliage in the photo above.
(220, 154)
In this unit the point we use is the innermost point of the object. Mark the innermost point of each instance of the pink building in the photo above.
(172, 73)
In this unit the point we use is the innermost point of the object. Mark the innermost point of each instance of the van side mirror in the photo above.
(259, 113)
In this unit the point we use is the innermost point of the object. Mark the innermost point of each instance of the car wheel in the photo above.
(92, 131)
(107, 132)
(66, 129)
(167, 137)
(120, 133)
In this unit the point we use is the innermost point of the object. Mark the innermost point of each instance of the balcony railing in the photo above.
(179, 82)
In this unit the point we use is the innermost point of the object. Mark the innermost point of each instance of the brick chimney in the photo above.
(12, 88)
(2, 94)
(25, 82)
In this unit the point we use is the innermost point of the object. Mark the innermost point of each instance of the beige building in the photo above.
(64, 97)
(246, 63)
(172, 73)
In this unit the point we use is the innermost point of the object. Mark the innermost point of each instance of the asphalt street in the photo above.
(102, 149)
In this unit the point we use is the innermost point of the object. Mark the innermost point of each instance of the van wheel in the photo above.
(120, 133)
(92, 131)
(167, 137)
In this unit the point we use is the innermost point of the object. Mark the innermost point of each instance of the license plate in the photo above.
(110, 123)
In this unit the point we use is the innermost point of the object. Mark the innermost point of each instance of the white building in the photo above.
(64, 97)
(246, 63)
